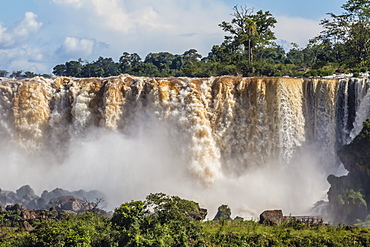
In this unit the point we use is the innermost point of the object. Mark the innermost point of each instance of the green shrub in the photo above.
(363, 69)
(325, 72)
(87, 229)
(159, 221)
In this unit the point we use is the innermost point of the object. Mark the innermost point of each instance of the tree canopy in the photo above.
(249, 48)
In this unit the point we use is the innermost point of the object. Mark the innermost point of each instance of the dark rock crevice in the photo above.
(349, 196)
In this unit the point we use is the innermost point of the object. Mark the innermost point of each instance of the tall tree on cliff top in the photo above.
(250, 30)
(349, 33)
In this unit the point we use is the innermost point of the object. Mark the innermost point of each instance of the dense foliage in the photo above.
(163, 220)
(249, 50)
(159, 221)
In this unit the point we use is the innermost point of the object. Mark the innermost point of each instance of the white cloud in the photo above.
(24, 58)
(74, 3)
(20, 31)
(143, 26)
(296, 29)
(130, 16)
(109, 13)
(80, 47)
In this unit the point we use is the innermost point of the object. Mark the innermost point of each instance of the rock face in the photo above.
(272, 217)
(26, 196)
(68, 203)
(19, 216)
(349, 196)
(223, 213)
(201, 215)
(25, 190)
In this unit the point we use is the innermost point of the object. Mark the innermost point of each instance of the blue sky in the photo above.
(36, 35)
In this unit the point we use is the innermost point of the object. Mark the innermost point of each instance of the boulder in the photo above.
(68, 203)
(57, 192)
(238, 218)
(27, 226)
(25, 190)
(3, 199)
(12, 198)
(37, 203)
(223, 213)
(201, 215)
(272, 217)
(16, 207)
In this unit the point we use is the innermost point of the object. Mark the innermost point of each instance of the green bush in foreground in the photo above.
(159, 221)
(250, 233)
(163, 220)
(86, 229)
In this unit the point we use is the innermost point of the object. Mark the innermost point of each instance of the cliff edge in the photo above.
(349, 196)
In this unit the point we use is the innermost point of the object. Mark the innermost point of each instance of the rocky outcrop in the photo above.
(199, 215)
(272, 217)
(68, 203)
(349, 196)
(356, 156)
(26, 196)
(25, 191)
(223, 213)
(19, 216)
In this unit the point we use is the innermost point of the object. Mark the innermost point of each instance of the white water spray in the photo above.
(252, 143)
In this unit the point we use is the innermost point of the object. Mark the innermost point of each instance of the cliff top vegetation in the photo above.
(248, 49)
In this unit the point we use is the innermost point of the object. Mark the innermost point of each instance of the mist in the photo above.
(251, 143)
(129, 168)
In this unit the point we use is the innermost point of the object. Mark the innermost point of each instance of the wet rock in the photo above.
(12, 198)
(3, 199)
(15, 207)
(68, 203)
(238, 218)
(199, 216)
(25, 190)
(27, 226)
(349, 196)
(272, 217)
(223, 213)
(58, 192)
(37, 203)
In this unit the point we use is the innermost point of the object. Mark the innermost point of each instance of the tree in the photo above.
(17, 73)
(250, 30)
(86, 229)
(191, 55)
(59, 70)
(73, 68)
(3, 73)
(160, 220)
(129, 61)
(29, 74)
(109, 67)
(92, 70)
(145, 69)
(348, 34)
(162, 60)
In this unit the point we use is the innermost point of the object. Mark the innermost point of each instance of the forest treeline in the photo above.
(248, 49)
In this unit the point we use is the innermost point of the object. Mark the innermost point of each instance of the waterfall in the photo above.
(214, 128)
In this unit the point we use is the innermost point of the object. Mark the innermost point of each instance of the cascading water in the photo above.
(252, 136)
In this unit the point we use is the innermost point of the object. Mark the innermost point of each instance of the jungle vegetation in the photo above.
(163, 220)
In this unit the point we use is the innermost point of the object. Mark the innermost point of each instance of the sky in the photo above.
(36, 35)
